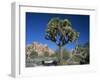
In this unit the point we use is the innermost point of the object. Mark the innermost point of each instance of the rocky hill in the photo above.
(41, 49)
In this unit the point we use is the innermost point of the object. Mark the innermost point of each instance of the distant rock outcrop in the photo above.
(39, 48)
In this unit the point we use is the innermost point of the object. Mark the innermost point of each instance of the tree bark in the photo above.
(61, 53)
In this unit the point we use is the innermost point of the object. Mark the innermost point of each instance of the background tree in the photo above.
(60, 32)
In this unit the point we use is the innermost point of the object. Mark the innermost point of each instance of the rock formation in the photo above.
(39, 48)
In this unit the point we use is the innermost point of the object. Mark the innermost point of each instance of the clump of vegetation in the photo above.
(46, 54)
(66, 54)
(81, 54)
(33, 54)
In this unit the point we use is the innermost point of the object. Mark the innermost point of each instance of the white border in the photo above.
(19, 19)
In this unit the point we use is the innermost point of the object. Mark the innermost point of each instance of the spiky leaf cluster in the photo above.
(60, 31)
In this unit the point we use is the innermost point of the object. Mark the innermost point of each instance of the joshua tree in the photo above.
(60, 32)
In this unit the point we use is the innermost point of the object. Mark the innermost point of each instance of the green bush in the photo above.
(82, 54)
(66, 54)
(46, 54)
(33, 54)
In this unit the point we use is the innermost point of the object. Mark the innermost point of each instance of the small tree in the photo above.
(60, 32)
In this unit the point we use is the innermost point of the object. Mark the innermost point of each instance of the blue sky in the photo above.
(36, 24)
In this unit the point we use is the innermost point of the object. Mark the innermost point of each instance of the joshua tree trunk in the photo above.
(61, 53)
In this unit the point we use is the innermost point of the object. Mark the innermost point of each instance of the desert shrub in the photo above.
(66, 54)
(63, 62)
(46, 54)
(82, 54)
(33, 54)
